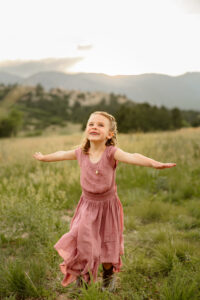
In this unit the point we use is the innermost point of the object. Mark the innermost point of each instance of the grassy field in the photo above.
(161, 218)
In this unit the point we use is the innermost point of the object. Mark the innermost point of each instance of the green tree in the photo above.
(176, 118)
(10, 125)
(39, 89)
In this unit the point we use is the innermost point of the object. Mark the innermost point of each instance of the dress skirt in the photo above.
(95, 237)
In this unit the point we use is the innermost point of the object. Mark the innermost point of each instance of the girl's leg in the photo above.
(107, 265)
(108, 277)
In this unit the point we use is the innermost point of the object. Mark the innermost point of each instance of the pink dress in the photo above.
(96, 229)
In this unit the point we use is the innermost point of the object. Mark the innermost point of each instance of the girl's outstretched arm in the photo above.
(56, 156)
(140, 160)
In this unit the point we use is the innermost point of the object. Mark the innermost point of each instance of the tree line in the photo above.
(39, 109)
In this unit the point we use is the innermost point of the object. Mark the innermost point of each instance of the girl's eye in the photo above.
(101, 125)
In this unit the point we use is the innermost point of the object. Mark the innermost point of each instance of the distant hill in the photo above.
(7, 78)
(180, 91)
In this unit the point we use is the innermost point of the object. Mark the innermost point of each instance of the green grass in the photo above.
(161, 219)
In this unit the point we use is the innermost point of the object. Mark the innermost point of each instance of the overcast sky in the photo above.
(102, 36)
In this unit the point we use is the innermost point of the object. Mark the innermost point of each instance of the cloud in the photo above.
(26, 68)
(190, 6)
(84, 47)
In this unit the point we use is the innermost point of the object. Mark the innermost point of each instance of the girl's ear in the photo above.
(110, 135)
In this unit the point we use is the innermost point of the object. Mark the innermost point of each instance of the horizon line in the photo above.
(99, 73)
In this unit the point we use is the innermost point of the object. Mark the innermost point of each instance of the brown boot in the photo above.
(109, 280)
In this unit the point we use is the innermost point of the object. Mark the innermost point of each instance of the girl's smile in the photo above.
(94, 133)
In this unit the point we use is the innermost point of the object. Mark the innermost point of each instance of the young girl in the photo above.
(96, 229)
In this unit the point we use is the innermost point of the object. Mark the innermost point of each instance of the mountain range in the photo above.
(181, 91)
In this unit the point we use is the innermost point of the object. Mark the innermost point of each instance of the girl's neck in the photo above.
(97, 147)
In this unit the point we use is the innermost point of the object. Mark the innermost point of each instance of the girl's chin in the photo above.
(90, 136)
(94, 139)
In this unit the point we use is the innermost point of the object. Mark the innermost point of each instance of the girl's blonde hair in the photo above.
(85, 145)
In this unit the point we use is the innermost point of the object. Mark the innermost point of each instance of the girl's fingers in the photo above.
(168, 165)
(165, 165)
(171, 164)
(37, 154)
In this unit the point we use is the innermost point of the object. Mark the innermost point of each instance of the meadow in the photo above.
(161, 218)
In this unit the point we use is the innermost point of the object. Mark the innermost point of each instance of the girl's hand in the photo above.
(159, 165)
(38, 156)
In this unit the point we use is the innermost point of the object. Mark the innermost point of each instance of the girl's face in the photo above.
(98, 128)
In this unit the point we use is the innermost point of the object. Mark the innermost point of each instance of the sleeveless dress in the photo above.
(96, 229)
